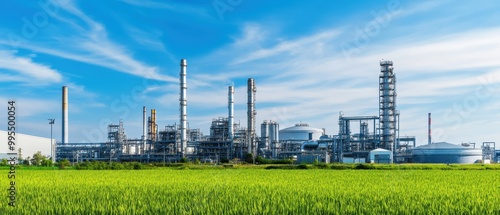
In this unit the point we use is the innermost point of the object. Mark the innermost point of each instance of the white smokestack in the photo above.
(64, 115)
(183, 105)
(144, 128)
(230, 107)
(430, 131)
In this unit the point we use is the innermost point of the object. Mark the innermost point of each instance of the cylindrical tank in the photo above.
(446, 153)
(300, 132)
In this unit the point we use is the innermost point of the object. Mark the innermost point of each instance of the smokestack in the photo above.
(64, 115)
(144, 128)
(153, 124)
(251, 116)
(430, 132)
(183, 105)
(230, 107)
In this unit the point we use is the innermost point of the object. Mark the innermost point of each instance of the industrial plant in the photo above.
(360, 139)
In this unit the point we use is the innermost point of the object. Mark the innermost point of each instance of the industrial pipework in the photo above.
(64, 115)
(251, 116)
(183, 105)
(387, 99)
(230, 107)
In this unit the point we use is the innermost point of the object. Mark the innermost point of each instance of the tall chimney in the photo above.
(153, 125)
(230, 94)
(64, 115)
(144, 129)
(183, 105)
(430, 132)
(251, 116)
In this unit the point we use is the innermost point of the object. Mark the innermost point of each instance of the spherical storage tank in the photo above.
(446, 153)
(300, 132)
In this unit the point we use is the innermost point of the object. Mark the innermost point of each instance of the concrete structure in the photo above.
(443, 152)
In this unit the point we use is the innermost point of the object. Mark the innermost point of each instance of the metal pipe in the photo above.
(230, 112)
(65, 115)
(430, 132)
(183, 105)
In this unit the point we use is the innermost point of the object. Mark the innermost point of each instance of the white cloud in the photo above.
(175, 7)
(87, 41)
(26, 70)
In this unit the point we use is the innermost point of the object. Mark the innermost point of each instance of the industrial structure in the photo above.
(374, 138)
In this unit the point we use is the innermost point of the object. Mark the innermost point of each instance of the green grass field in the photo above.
(254, 191)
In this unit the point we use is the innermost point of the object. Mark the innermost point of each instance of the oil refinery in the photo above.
(360, 139)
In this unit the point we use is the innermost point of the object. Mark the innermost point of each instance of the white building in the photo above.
(28, 143)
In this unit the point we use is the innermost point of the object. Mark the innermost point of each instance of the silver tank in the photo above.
(443, 152)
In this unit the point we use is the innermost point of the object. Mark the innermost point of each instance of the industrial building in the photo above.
(374, 138)
(29, 144)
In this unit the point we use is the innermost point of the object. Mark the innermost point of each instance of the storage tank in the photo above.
(380, 155)
(300, 132)
(443, 152)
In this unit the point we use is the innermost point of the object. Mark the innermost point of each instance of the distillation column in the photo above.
(387, 100)
(230, 107)
(251, 116)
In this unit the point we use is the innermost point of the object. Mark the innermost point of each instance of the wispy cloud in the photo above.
(171, 6)
(24, 69)
(87, 41)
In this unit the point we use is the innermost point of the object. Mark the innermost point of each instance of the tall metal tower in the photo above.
(387, 105)
(251, 116)
(183, 105)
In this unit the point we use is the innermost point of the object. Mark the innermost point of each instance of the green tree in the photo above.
(38, 158)
(4, 162)
(27, 161)
(249, 158)
(46, 162)
(63, 163)
(20, 155)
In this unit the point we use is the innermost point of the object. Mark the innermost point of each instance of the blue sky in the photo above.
(310, 61)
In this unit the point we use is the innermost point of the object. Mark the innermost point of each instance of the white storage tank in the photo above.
(300, 132)
(443, 152)
(380, 156)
